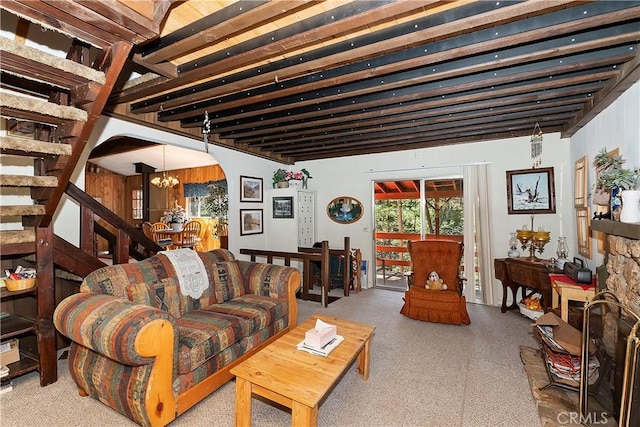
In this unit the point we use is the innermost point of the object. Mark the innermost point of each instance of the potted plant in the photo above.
(175, 217)
(621, 185)
(217, 202)
(280, 179)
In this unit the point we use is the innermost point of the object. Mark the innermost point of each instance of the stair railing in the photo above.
(126, 240)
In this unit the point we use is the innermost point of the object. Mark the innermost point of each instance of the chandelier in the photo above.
(166, 181)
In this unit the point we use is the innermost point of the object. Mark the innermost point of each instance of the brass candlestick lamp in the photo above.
(533, 240)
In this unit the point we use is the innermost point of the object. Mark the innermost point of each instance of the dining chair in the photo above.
(190, 235)
(163, 235)
(147, 229)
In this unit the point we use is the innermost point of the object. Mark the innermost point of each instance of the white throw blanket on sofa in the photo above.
(190, 271)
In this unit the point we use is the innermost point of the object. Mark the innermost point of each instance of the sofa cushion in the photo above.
(216, 255)
(164, 295)
(227, 281)
(202, 335)
(255, 312)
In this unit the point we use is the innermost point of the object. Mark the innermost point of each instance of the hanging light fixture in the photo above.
(166, 181)
(536, 146)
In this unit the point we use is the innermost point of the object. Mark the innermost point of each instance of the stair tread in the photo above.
(22, 106)
(17, 236)
(28, 181)
(19, 210)
(35, 64)
(23, 146)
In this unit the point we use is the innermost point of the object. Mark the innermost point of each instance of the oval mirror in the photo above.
(344, 210)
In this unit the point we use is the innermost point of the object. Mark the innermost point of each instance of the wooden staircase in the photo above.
(59, 101)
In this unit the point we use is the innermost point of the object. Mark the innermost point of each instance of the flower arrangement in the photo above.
(177, 214)
(282, 175)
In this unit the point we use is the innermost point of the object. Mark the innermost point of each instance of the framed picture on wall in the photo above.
(250, 189)
(584, 231)
(580, 183)
(251, 221)
(283, 207)
(531, 191)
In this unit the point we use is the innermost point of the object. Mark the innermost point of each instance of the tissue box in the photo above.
(318, 338)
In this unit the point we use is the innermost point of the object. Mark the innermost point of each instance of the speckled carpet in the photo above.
(422, 374)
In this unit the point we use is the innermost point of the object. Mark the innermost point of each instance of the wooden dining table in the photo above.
(177, 239)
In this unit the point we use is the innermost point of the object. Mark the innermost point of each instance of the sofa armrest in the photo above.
(276, 281)
(108, 325)
(130, 334)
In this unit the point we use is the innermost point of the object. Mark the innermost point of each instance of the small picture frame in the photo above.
(583, 217)
(251, 221)
(531, 191)
(283, 207)
(250, 189)
(580, 183)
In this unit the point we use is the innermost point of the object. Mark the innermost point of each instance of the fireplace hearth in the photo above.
(612, 323)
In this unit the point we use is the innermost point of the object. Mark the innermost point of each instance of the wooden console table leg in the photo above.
(303, 415)
(243, 402)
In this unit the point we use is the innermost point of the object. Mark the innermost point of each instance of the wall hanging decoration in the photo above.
(250, 189)
(580, 183)
(344, 210)
(536, 146)
(531, 191)
(251, 221)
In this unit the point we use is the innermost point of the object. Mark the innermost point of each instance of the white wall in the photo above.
(618, 126)
(353, 176)
(233, 163)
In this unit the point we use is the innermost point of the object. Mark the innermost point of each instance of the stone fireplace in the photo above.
(623, 267)
(623, 280)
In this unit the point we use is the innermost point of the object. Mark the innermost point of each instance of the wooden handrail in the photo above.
(123, 244)
(323, 257)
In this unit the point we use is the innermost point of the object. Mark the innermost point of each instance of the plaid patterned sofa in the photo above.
(146, 350)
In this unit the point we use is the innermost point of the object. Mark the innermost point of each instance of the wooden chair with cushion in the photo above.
(440, 306)
(161, 236)
(190, 235)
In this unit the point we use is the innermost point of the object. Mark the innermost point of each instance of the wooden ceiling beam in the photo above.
(421, 144)
(319, 84)
(628, 76)
(549, 84)
(419, 132)
(440, 88)
(419, 111)
(232, 20)
(412, 126)
(439, 115)
(267, 50)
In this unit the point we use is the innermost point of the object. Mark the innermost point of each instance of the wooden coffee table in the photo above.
(295, 378)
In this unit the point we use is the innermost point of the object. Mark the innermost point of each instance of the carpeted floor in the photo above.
(422, 374)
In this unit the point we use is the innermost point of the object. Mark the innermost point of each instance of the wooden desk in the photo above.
(518, 273)
(295, 378)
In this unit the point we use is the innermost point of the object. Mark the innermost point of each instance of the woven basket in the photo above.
(20, 285)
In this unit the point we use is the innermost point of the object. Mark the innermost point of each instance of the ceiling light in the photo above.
(166, 181)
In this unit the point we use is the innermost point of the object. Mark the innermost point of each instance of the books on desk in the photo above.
(325, 350)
